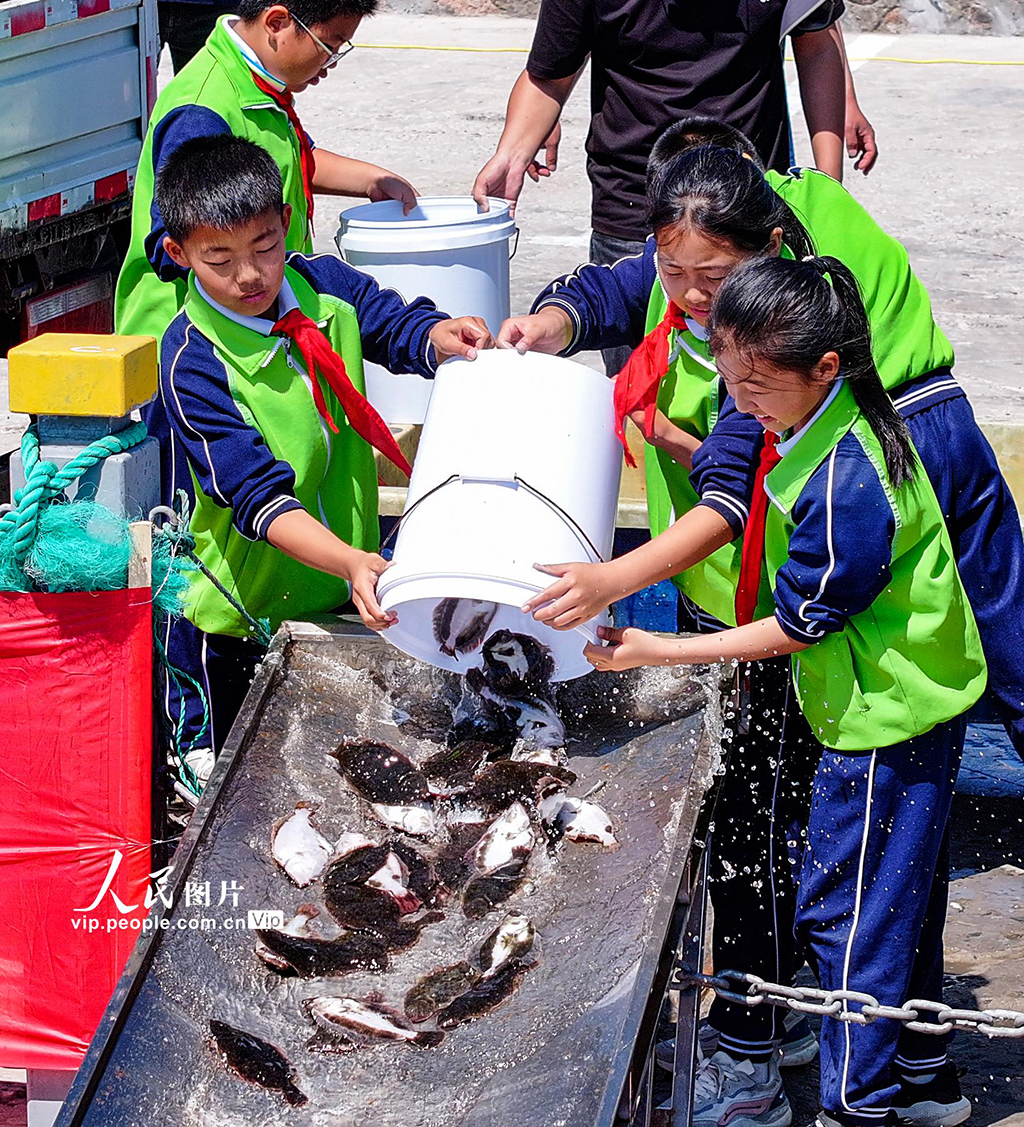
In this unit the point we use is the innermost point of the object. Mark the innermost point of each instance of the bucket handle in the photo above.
(515, 479)
(515, 245)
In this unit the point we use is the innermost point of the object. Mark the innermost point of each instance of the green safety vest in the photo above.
(219, 79)
(688, 396)
(905, 340)
(906, 343)
(913, 659)
(335, 474)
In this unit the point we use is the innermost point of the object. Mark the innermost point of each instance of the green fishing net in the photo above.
(83, 546)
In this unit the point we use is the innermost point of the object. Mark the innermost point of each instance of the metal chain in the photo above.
(750, 990)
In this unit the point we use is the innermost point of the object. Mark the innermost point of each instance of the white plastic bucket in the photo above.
(518, 464)
(445, 249)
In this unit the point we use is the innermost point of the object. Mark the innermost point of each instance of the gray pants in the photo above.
(605, 251)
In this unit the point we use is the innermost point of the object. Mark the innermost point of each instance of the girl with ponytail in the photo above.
(711, 216)
(886, 655)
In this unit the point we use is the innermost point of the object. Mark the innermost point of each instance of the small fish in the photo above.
(398, 793)
(513, 938)
(535, 717)
(423, 879)
(500, 784)
(393, 878)
(515, 664)
(356, 906)
(358, 864)
(257, 1061)
(298, 848)
(297, 925)
(487, 994)
(311, 957)
(487, 890)
(460, 625)
(438, 989)
(345, 1024)
(406, 933)
(509, 837)
(457, 765)
(578, 820)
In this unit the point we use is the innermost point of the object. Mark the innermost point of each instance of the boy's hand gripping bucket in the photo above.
(518, 464)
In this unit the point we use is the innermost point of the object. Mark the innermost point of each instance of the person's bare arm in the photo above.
(345, 176)
(860, 133)
(630, 648)
(664, 434)
(584, 590)
(305, 539)
(533, 109)
(821, 66)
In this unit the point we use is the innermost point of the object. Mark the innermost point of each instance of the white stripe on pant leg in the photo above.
(853, 926)
(209, 695)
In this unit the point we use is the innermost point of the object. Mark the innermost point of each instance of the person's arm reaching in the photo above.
(631, 648)
(593, 307)
(860, 133)
(305, 539)
(533, 109)
(336, 175)
(820, 64)
(584, 590)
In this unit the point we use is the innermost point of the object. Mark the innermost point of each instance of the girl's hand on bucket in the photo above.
(363, 572)
(460, 336)
(550, 330)
(628, 648)
(583, 591)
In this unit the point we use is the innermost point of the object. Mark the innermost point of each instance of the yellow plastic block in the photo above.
(82, 374)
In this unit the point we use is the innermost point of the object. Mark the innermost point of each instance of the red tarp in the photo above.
(75, 774)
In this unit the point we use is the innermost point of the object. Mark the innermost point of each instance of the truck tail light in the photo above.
(82, 307)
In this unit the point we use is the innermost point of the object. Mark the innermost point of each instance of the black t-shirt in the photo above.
(653, 62)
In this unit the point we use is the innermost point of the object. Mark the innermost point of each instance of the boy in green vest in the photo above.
(263, 422)
(242, 82)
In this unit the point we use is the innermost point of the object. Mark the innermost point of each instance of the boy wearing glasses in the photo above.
(242, 82)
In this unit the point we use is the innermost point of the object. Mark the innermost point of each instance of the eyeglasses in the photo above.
(332, 56)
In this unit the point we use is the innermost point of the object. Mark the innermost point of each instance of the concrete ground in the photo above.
(947, 183)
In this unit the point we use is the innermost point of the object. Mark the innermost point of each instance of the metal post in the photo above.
(691, 961)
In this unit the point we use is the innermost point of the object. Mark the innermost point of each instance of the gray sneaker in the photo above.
(739, 1093)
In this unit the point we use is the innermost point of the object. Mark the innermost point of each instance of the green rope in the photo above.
(44, 482)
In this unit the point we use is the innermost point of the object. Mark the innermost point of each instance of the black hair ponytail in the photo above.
(791, 314)
(723, 195)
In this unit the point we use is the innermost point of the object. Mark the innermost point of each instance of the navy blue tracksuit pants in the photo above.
(222, 667)
(871, 903)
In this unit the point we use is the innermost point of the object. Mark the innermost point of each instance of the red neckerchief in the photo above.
(636, 385)
(322, 360)
(753, 536)
(285, 100)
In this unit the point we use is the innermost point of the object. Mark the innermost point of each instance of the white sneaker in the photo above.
(739, 1093)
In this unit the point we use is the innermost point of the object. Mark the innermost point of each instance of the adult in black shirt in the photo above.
(654, 61)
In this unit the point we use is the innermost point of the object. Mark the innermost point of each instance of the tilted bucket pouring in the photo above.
(518, 464)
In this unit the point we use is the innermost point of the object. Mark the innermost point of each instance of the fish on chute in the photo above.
(256, 1061)
(299, 848)
(486, 994)
(398, 793)
(576, 819)
(346, 1024)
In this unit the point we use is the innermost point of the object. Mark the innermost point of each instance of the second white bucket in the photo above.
(446, 249)
(518, 464)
